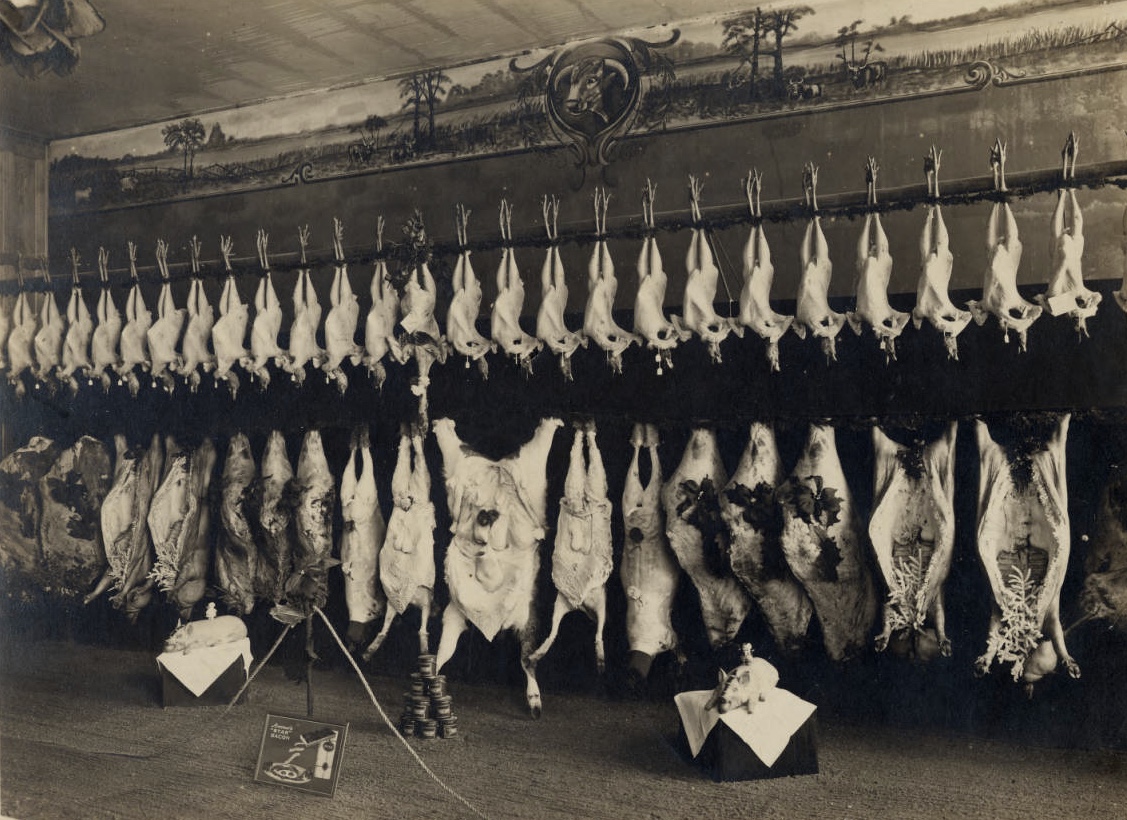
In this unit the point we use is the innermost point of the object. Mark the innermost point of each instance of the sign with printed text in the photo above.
(302, 754)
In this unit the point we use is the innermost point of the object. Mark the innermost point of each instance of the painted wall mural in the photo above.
(591, 97)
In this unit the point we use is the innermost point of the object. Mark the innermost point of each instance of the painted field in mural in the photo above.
(589, 96)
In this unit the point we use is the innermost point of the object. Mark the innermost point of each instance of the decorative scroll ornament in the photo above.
(982, 73)
(592, 91)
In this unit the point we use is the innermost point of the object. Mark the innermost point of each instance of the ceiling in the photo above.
(162, 59)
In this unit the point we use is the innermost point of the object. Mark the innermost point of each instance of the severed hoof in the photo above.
(534, 706)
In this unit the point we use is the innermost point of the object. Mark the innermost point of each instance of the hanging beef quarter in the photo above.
(1105, 584)
(823, 545)
(275, 518)
(700, 540)
(754, 517)
(69, 530)
(315, 494)
(20, 506)
(236, 555)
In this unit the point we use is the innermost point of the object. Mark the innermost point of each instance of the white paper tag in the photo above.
(1064, 303)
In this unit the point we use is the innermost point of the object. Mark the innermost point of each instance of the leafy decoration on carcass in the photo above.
(912, 459)
(701, 502)
(820, 507)
(308, 587)
(762, 512)
(1021, 628)
(906, 601)
(417, 249)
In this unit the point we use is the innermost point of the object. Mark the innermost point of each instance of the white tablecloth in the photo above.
(766, 731)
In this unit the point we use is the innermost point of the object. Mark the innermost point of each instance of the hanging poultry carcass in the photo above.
(125, 533)
(421, 338)
(759, 275)
(20, 340)
(306, 320)
(1067, 293)
(196, 357)
(649, 571)
(812, 313)
(550, 326)
(582, 558)
(106, 341)
(602, 286)
(699, 539)
(498, 510)
(406, 561)
(661, 334)
(505, 327)
(750, 507)
(134, 335)
(163, 335)
(314, 493)
(275, 520)
(700, 286)
(824, 545)
(236, 550)
(341, 321)
(1024, 542)
(230, 330)
(48, 341)
(21, 507)
(936, 262)
(465, 305)
(80, 330)
(180, 524)
(874, 268)
(267, 320)
(361, 540)
(70, 537)
(1000, 297)
(912, 530)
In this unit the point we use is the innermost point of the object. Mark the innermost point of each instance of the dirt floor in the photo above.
(82, 735)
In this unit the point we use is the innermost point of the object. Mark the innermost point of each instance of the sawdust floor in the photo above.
(83, 736)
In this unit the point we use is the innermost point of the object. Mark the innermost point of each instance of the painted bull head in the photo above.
(588, 82)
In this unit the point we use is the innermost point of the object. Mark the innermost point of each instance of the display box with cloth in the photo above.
(205, 663)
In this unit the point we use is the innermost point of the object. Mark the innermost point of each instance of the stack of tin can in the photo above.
(427, 711)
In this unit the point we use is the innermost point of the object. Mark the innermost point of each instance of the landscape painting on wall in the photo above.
(588, 97)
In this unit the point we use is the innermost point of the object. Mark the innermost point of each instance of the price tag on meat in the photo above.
(302, 754)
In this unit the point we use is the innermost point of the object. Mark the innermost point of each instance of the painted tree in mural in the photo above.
(782, 22)
(188, 137)
(435, 84)
(742, 37)
(413, 96)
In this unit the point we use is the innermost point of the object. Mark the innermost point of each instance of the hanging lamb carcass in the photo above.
(196, 357)
(264, 347)
(80, 329)
(341, 321)
(465, 305)
(379, 327)
(163, 335)
(759, 274)
(304, 349)
(550, 326)
(134, 335)
(700, 286)
(48, 341)
(660, 334)
(105, 342)
(505, 327)
(813, 313)
(602, 286)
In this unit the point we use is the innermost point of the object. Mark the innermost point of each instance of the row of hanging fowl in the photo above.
(789, 542)
(401, 324)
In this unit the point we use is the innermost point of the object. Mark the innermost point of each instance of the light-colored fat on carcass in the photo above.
(912, 530)
(228, 335)
(700, 286)
(163, 335)
(550, 326)
(498, 510)
(758, 277)
(813, 313)
(825, 547)
(236, 551)
(751, 510)
(505, 328)
(267, 321)
(134, 335)
(602, 287)
(361, 539)
(275, 518)
(582, 558)
(21, 506)
(341, 321)
(20, 340)
(106, 340)
(315, 492)
(48, 340)
(699, 539)
(76, 343)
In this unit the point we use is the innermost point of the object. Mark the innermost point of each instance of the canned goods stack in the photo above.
(427, 708)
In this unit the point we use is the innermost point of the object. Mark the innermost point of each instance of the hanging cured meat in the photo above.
(80, 329)
(661, 334)
(813, 314)
(550, 326)
(379, 328)
(999, 288)
(314, 492)
(465, 305)
(1067, 292)
(406, 561)
(275, 518)
(753, 514)
(936, 262)
(700, 287)
(340, 323)
(1104, 596)
(306, 319)
(106, 340)
(196, 357)
(20, 338)
(505, 327)
(823, 544)
(229, 331)
(125, 533)
(582, 555)
(48, 342)
(759, 274)
(498, 510)
(267, 319)
(912, 530)
(598, 314)
(874, 268)
(361, 539)
(1024, 543)
(236, 553)
(164, 334)
(21, 506)
(696, 531)
(649, 571)
(69, 530)
(180, 524)
(134, 336)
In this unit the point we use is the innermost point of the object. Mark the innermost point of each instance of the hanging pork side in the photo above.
(661, 334)
(813, 313)
(80, 329)
(163, 335)
(825, 547)
(1024, 543)
(699, 300)
(406, 560)
(275, 520)
(134, 335)
(465, 305)
(341, 321)
(236, 553)
(267, 323)
(70, 537)
(582, 558)
(21, 507)
(505, 327)
(20, 339)
(759, 275)
(361, 540)
(649, 571)
(550, 326)
(602, 286)
(314, 493)
(125, 532)
(696, 531)
(106, 340)
(912, 530)
(751, 510)
(498, 511)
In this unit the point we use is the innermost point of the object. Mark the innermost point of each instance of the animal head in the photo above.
(732, 690)
(588, 82)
